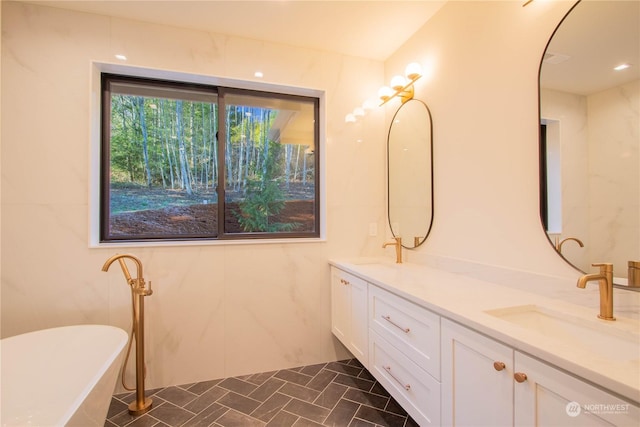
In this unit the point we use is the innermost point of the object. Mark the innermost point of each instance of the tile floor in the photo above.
(339, 394)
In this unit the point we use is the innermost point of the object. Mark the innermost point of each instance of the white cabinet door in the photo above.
(477, 379)
(349, 311)
(340, 306)
(550, 397)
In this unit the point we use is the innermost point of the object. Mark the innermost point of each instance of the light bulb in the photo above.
(358, 112)
(398, 82)
(385, 92)
(413, 71)
(350, 118)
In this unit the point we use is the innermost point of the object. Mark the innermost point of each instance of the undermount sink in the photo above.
(598, 337)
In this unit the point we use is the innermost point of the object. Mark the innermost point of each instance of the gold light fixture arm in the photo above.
(405, 93)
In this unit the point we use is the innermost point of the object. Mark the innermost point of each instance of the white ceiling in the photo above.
(596, 36)
(370, 29)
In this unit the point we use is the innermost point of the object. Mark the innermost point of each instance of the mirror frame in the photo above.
(429, 165)
(542, 178)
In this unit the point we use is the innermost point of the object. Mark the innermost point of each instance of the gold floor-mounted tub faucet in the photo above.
(138, 292)
(605, 281)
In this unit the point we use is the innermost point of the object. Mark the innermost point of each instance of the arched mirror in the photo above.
(410, 173)
(590, 141)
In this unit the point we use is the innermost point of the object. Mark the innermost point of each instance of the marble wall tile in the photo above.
(614, 176)
(216, 310)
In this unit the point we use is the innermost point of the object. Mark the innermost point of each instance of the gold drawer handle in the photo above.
(499, 366)
(344, 282)
(406, 386)
(520, 377)
(388, 319)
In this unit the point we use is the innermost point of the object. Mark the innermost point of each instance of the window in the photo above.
(182, 161)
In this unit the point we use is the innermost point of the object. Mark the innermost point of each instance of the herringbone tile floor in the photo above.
(338, 394)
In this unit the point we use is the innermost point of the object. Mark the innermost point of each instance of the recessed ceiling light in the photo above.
(121, 57)
(258, 74)
(622, 67)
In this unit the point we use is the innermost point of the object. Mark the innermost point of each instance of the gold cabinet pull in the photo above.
(520, 377)
(388, 319)
(406, 386)
(344, 282)
(499, 366)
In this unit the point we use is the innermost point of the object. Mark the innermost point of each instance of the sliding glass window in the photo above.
(181, 161)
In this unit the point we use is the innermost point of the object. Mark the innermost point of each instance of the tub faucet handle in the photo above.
(146, 291)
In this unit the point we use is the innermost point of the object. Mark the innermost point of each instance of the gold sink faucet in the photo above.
(398, 244)
(605, 281)
(633, 278)
(560, 243)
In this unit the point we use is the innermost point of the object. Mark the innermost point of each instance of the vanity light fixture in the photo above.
(357, 112)
(401, 86)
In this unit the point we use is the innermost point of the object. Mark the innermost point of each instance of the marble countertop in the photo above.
(471, 302)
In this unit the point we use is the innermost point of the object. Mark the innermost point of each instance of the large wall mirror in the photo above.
(410, 173)
(590, 141)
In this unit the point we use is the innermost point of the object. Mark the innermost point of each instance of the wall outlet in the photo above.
(373, 229)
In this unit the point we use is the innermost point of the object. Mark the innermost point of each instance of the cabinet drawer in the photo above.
(412, 329)
(414, 389)
(345, 279)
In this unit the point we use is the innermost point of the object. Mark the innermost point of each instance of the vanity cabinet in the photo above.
(549, 396)
(404, 353)
(485, 382)
(349, 299)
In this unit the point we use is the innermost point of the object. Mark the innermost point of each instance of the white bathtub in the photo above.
(60, 376)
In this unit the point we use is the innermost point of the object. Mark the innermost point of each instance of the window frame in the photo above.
(219, 91)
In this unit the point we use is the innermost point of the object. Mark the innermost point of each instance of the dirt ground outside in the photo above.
(195, 214)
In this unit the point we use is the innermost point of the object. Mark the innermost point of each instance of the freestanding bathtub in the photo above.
(60, 377)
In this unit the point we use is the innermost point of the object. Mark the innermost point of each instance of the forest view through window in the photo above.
(183, 161)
